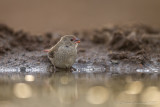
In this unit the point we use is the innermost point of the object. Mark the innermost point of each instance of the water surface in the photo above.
(77, 89)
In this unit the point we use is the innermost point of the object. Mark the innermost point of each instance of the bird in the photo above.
(64, 53)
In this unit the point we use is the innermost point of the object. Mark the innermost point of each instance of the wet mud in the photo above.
(112, 49)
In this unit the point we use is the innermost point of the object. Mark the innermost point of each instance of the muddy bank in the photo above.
(107, 49)
(130, 44)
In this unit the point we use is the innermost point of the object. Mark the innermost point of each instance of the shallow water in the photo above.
(79, 88)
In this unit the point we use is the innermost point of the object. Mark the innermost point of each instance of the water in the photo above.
(77, 89)
(89, 85)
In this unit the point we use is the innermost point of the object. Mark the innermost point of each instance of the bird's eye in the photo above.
(71, 39)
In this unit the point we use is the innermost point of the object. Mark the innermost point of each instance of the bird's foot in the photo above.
(52, 69)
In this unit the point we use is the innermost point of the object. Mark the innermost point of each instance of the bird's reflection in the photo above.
(65, 85)
(69, 89)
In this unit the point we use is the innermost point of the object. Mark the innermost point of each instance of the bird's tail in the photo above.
(46, 50)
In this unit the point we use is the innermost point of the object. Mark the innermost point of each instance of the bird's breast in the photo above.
(67, 50)
(65, 57)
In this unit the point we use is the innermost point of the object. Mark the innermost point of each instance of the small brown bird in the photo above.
(63, 54)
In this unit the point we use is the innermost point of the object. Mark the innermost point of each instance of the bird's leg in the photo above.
(54, 68)
(50, 68)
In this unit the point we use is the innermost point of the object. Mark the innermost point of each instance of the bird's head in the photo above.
(70, 40)
(67, 40)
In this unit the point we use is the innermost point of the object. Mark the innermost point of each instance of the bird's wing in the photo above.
(52, 52)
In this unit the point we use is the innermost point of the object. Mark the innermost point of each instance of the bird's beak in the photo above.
(77, 40)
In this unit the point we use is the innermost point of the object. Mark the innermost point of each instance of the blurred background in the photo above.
(40, 16)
